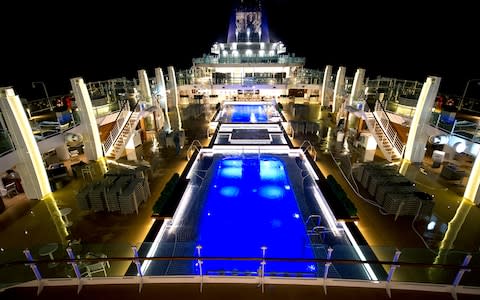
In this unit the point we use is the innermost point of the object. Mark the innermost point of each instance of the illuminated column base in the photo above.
(404, 167)
(131, 153)
(135, 139)
(29, 164)
(91, 136)
(472, 189)
(370, 149)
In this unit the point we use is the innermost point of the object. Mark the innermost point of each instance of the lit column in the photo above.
(162, 96)
(173, 99)
(91, 136)
(370, 148)
(357, 87)
(417, 139)
(472, 189)
(326, 86)
(29, 163)
(338, 91)
(144, 86)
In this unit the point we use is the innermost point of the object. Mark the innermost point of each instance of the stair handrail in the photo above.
(136, 109)
(124, 123)
(389, 130)
(195, 145)
(372, 124)
(115, 131)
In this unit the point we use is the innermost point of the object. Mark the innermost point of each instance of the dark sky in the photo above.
(98, 40)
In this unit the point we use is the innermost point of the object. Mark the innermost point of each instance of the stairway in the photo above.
(126, 132)
(386, 137)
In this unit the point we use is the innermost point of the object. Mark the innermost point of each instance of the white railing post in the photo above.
(262, 268)
(327, 266)
(453, 127)
(35, 270)
(438, 120)
(139, 268)
(75, 267)
(459, 276)
(200, 262)
(392, 270)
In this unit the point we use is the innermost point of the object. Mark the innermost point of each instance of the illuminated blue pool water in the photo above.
(249, 114)
(251, 204)
(236, 204)
(260, 112)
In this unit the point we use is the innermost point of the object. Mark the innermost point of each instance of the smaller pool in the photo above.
(248, 113)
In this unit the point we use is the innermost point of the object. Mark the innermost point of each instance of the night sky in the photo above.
(108, 39)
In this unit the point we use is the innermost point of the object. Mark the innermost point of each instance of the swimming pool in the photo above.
(256, 112)
(250, 205)
(235, 204)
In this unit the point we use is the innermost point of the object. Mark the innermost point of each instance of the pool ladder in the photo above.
(307, 146)
(195, 146)
(313, 218)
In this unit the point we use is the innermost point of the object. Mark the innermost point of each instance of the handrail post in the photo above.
(35, 270)
(459, 276)
(438, 120)
(139, 268)
(327, 266)
(75, 267)
(262, 268)
(200, 262)
(453, 127)
(392, 270)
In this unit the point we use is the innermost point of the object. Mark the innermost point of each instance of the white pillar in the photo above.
(472, 189)
(339, 89)
(29, 164)
(91, 136)
(130, 148)
(325, 101)
(162, 97)
(370, 148)
(357, 87)
(144, 86)
(417, 138)
(173, 99)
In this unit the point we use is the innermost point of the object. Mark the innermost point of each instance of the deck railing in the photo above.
(75, 265)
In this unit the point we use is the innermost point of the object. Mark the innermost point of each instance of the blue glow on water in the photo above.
(229, 191)
(271, 192)
(232, 163)
(240, 216)
(231, 172)
(271, 170)
(248, 113)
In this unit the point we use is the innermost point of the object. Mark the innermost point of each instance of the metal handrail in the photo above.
(309, 147)
(194, 146)
(395, 263)
(120, 126)
(390, 132)
(115, 131)
(372, 124)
